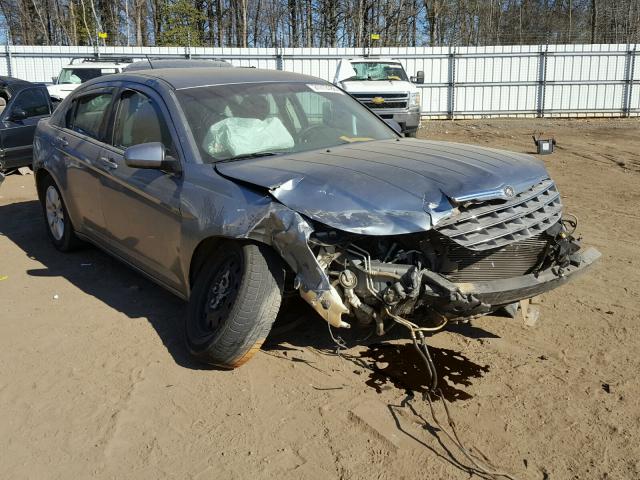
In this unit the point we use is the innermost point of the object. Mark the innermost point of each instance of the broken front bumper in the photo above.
(417, 289)
(413, 290)
(505, 291)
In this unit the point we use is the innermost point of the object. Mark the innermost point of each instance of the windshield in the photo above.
(377, 71)
(81, 75)
(240, 120)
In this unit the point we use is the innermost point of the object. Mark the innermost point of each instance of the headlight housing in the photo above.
(414, 99)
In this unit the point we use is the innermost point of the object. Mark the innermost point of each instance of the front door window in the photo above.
(139, 120)
(30, 103)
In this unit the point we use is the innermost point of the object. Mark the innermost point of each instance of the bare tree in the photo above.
(325, 23)
(594, 20)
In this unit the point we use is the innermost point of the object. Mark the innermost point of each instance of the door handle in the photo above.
(110, 163)
(62, 141)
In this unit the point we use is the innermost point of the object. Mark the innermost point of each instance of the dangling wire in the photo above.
(420, 344)
(340, 343)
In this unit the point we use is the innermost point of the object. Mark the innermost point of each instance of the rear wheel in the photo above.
(234, 302)
(58, 224)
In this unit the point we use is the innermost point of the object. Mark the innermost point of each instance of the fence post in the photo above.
(279, 59)
(542, 81)
(9, 59)
(628, 81)
(451, 100)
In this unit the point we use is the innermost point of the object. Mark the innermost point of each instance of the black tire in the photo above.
(234, 302)
(67, 241)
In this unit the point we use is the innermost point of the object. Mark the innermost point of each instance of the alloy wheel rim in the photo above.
(55, 213)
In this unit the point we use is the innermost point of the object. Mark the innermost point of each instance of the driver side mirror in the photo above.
(419, 78)
(150, 155)
(54, 80)
(145, 155)
(17, 114)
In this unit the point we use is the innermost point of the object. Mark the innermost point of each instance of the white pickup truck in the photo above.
(383, 85)
(81, 70)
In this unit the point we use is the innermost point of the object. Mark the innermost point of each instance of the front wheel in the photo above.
(234, 302)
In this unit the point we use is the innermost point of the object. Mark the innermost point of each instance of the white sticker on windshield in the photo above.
(324, 88)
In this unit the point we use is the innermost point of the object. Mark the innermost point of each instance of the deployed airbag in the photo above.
(243, 136)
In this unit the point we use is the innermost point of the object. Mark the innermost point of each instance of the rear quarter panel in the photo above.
(47, 156)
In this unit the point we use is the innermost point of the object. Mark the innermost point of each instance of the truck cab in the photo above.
(382, 85)
(81, 70)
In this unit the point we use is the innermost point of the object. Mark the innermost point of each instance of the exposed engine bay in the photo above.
(414, 274)
(444, 275)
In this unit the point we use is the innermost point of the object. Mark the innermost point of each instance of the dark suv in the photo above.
(22, 105)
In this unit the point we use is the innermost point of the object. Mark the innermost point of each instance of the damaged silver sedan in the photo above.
(230, 187)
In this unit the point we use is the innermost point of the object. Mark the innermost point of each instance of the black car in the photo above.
(22, 105)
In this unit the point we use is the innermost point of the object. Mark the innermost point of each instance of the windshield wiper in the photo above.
(249, 155)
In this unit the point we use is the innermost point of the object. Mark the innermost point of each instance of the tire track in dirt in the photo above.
(111, 439)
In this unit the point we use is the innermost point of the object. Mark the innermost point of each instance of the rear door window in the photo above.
(89, 114)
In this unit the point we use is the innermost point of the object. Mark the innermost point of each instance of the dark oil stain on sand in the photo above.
(402, 366)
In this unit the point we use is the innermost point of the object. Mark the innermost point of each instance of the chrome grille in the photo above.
(489, 225)
(509, 261)
(385, 105)
(391, 100)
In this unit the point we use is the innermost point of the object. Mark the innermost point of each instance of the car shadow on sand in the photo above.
(126, 291)
(100, 275)
(97, 274)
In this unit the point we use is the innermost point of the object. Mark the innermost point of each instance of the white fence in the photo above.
(460, 82)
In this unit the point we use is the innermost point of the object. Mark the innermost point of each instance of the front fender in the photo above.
(215, 207)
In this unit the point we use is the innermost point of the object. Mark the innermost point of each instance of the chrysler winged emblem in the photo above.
(509, 192)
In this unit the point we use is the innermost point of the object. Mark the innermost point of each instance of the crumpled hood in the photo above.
(387, 187)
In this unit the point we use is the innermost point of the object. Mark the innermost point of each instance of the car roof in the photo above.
(182, 78)
(12, 80)
(156, 64)
(15, 84)
(94, 65)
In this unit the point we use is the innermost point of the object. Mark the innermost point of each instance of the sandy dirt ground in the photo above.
(95, 382)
